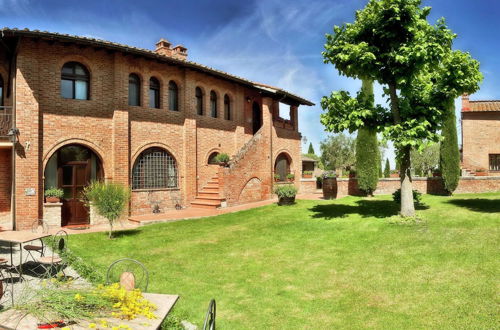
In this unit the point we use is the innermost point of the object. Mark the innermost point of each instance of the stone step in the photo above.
(206, 204)
(205, 193)
(211, 186)
(208, 198)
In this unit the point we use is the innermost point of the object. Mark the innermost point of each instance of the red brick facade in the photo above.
(480, 134)
(117, 133)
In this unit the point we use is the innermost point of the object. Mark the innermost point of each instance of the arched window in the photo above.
(154, 93)
(211, 158)
(227, 107)
(173, 96)
(282, 166)
(155, 168)
(199, 101)
(134, 90)
(75, 81)
(1, 91)
(213, 104)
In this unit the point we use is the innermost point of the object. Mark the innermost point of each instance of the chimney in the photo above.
(163, 47)
(465, 102)
(180, 52)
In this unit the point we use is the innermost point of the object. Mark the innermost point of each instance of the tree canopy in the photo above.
(338, 152)
(392, 42)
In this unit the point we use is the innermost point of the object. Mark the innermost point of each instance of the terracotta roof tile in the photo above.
(491, 105)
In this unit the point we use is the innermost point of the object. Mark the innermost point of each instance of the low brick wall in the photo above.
(387, 186)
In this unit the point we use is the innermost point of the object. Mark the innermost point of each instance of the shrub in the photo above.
(290, 176)
(277, 177)
(285, 190)
(109, 199)
(307, 172)
(222, 158)
(329, 175)
(54, 192)
(449, 154)
(387, 168)
(417, 197)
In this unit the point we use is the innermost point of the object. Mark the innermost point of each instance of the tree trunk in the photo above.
(407, 205)
(110, 230)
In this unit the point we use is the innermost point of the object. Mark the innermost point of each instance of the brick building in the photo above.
(76, 109)
(481, 136)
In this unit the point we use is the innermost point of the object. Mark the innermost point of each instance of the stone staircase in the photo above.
(209, 196)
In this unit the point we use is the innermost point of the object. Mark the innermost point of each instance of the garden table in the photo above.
(164, 302)
(19, 237)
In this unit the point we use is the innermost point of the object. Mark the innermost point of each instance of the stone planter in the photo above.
(307, 176)
(286, 200)
(330, 188)
(52, 214)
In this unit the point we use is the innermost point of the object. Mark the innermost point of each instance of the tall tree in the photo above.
(311, 149)
(387, 169)
(449, 158)
(367, 150)
(338, 152)
(392, 42)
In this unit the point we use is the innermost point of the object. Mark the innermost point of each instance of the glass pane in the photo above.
(173, 100)
(74, 153)
(133, 94)
(67, 68)
(1, 96)
(67, 175)
(79, 70)
(67, 88)
(152, 98)
(51, 172)
(81, 90)
(68, 193)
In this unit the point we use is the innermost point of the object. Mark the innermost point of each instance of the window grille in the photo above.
(495, 162)
(154, 169)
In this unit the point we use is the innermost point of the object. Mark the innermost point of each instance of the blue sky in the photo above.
(277, 42)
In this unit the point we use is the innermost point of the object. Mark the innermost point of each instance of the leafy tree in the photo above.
(387, 169)
(426, 160)
(367, 150)
(338, 152)
(311, 149)
(392, 42)
(109, 199)
(449, 161)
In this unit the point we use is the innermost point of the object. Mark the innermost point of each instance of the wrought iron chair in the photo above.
(38, 226)
(58, 247)
(6, 289)
(129, 273)
(209, 323)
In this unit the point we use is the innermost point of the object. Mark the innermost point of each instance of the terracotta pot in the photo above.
(307, 176)
(394, 175)
(481, 173)
(330, 188)
(286, 200)
(52, 199)
(290, 180)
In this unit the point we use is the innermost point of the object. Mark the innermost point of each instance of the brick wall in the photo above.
(118, 133)
(481, 137)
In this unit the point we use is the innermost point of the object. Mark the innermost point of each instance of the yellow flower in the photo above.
(79, 297)
(92, 325)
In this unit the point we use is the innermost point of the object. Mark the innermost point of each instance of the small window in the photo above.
(155, 168)
(199, 101)
(495, 162)
(211, 158)
(154, 93)
(1, 92)
(213, 104)
(74, 81)
(173, 96)
(134, 90)
(227, 107)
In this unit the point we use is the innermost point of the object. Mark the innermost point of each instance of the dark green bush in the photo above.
(285, 190)
(417, 197)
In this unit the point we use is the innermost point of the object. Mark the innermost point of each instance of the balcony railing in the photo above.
(5, 121)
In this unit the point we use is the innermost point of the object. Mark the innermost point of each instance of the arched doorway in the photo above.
(256, 117)
(212, 158)
(72, 168)
(282, 166)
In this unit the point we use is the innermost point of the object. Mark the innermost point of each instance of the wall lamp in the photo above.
(13, 133)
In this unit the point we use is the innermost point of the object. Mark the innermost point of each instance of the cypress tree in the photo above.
(367, 151)
(387, 169)
(311, 149)
(449, 157)
(380, 173)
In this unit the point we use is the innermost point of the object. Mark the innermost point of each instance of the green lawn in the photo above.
(348, 263)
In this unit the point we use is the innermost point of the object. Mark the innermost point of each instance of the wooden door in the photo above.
(73, 177)
(282, 167)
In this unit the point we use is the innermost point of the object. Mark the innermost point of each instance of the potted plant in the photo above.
(290, 177)
(307, 174)
(277, 177)
(286, 194)
(222, 159)
(481, 172)
(329, 185)
(53, 195)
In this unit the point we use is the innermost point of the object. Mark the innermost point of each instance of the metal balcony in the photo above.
(5, 121)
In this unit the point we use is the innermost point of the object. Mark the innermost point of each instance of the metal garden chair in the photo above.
(6, 288)
(129, 273)
(38, 226)
(55, 262)
(209, 323)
